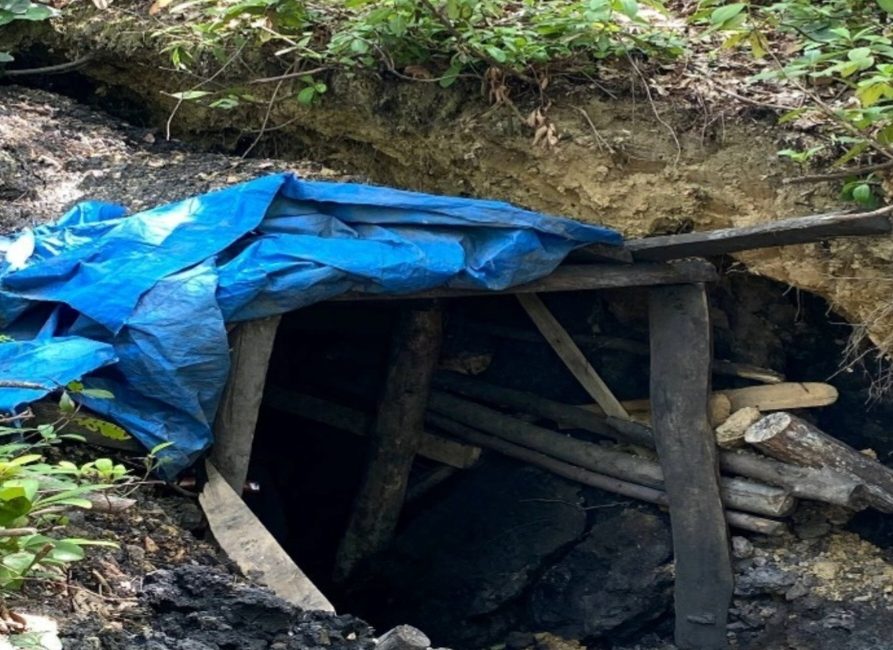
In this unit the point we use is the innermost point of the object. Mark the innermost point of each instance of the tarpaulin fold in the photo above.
(138, 305)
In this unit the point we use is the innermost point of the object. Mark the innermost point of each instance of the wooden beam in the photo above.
(251, 344)
(571, 355)
(244, 539)
(395, 439)
(785, 232)
(681, 351)
(458, 455)
(738, 494)
(824, 485)
(793, 440)
(742, 520)
(588, 277)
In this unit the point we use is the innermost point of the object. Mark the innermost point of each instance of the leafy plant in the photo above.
(12, 10)
(839, 54)
(436, 41)
(35, 494)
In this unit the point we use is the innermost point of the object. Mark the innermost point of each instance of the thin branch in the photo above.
(654, 109)
(843, 173)
(12, 383)
(291, 75)
(263, 126)
(170, 119)
(598, 136)
(50, 69)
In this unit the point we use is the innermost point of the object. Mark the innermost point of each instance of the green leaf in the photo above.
(18, 562)
(495, 53)
(66, 551)
(98, 393)
(66, 404)
(306, 95)
(723, 14)
(628, 7)
(862, 193)
(450, 76)
(886, 5)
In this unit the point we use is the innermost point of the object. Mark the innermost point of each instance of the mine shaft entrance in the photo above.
(491, 549)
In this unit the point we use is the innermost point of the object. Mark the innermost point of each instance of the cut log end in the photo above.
(767, 428)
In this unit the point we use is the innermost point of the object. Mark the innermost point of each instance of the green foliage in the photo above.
(839, 53)
(440, 40)
(13, 10)
(35, 494)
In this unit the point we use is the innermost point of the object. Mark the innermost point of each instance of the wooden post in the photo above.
(681, 351)
(251, 344)
(395, 438)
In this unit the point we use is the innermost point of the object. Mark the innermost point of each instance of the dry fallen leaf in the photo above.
(158, 6)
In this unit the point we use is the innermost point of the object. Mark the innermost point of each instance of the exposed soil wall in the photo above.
(623, 162)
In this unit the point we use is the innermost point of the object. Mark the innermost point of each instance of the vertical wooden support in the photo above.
(681, 355)
(395, 438)
(251, 344)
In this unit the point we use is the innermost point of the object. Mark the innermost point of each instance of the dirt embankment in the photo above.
(623, 162)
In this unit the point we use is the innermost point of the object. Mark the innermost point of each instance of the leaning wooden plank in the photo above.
(770, 397)
(823, 485)
(578, 474)
(799, 230)
(587, 277)
(571, 355)
(437, 448)
(395, 437)
(681, 353)
(247, 543)
(791, 439)
(738, 494)
(251, 344)
(787, 395)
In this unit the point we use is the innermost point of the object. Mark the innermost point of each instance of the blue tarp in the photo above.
(138, 305)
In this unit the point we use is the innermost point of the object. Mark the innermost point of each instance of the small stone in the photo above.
(742, 548)
(151, 546)
(797, 591)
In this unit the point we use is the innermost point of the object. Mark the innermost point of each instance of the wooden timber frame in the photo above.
(680, 389)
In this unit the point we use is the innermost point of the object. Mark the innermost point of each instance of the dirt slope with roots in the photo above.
(639, 167)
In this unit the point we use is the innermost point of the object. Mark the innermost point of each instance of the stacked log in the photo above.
(794, 460)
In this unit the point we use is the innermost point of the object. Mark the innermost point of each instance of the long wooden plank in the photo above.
(798, 230)
(433, 447)
(571, 355)
(251, 344)
(681, 351)
(247, 543)
(588, 277)
(395, 438)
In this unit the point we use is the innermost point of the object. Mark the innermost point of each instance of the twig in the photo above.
(263, 126)
(12, 383)
(843, 173)
(654, 109)
(226, 64)
(291, 75)
(49, 69)
(598, 136)
(17, 532)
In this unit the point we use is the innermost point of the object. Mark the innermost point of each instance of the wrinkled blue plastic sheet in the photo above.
(138, 305)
